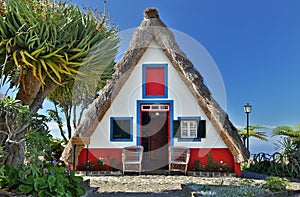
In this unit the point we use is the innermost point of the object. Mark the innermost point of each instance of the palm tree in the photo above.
(291, 135)
(259, 135)
(287, 131)
(45, 44)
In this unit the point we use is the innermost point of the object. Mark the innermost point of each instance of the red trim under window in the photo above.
(155, 80)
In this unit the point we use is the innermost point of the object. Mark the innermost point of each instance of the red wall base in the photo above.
(113, 158)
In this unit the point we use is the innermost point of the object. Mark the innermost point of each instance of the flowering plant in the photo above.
(224, 167)
(41, 179)
(212, 166)
(101, 162)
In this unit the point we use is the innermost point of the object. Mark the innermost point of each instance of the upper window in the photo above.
(155, 79)
(121, 128)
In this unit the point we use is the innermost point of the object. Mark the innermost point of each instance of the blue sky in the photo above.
(255, 45)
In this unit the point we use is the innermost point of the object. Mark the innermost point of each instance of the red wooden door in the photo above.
(155, 126)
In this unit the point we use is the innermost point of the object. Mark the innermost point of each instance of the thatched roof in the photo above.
(152, 29)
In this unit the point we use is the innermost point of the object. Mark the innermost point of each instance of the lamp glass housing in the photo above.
(247, 108)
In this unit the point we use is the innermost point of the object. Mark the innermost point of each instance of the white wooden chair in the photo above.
(132, 159)
(178, 158)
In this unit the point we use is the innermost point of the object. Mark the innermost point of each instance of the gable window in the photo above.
(155, 79)
(189, 129)
(121, 128)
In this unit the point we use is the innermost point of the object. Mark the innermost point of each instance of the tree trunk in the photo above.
(14, 143)
(59, 123)
(41, 96)
(13, 154)
(68, 121)
(29, 89)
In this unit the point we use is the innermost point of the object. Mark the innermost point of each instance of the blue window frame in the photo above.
(146, 82)
(121, 129)
(189, 124)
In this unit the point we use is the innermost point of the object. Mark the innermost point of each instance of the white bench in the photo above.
(178, 158)
(132, 159)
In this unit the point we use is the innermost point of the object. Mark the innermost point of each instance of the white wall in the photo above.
(125, 105)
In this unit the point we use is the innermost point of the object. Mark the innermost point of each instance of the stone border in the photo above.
(193, 193)
(210, 174)
(99, 173)
(189, 173)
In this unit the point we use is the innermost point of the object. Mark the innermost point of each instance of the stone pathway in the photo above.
(152, 185)
(143, 185)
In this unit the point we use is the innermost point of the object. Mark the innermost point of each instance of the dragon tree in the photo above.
(46, 44)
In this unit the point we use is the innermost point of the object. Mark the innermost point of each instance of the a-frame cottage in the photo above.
(157, 99)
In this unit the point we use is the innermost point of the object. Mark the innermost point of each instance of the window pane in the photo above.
(164, 107)
(193, 124)
(121, 129)
(146, 106)
(184, 124)
(193, 133)
(155, 106)
(184, 133)
(190, 128)
(155, 81)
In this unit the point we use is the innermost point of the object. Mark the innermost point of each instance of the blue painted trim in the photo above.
(189, 118)
(138, 113)
(189, 139)
(111, 129)
(165, 67)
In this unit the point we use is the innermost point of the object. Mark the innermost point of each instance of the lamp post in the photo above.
(247, 109)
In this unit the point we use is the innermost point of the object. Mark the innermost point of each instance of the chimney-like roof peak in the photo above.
(151, 13)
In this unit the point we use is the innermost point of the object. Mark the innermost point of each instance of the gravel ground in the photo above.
(153, 185)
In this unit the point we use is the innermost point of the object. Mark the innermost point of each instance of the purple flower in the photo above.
(46, 170)
(68, 171)
(54, 162)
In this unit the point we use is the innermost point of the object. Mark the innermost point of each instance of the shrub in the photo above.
(36, 177)
(56, 148)
(41, 179)
(198, 167)
(101, 162)
(275, 183)
(212, 166)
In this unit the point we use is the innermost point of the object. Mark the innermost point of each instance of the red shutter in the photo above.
(155, 82)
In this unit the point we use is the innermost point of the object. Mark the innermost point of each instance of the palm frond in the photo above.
(259, 135)
(286, 131)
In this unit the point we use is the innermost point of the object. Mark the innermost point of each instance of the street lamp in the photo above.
(247, 109)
